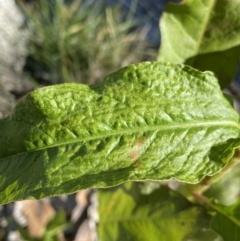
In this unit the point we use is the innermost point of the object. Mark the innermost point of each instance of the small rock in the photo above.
(34, 214)
(13, 37)
(7, 102)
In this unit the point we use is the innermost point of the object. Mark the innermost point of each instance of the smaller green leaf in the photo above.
(222, 63)
(227, 221)
(226, 189)
(205, 235)
(204, 34)
(127, 214)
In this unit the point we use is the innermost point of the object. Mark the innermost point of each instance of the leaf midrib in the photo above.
(140, 129)
(204, 25)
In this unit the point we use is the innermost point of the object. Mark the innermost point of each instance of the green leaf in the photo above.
(226, 189)
(55, 226)
(227, 221)
(204, 34)
(127, 214)
(205, 235)
(150, 121)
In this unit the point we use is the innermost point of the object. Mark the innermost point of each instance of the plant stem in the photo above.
(204, 201)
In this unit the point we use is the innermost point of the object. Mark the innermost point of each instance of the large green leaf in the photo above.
(226, 222)
(127, 214)
(147, 121)
(204, 34)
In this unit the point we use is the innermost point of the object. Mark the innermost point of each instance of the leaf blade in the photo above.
(128, 214)
(226, 222)
(203, 34)
(150, 121)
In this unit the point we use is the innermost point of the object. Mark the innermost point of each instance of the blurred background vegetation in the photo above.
(81, 42)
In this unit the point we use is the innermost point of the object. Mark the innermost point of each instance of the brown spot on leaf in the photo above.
(136, 150)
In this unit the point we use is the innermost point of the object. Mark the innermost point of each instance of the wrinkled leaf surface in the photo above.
(150, 121)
